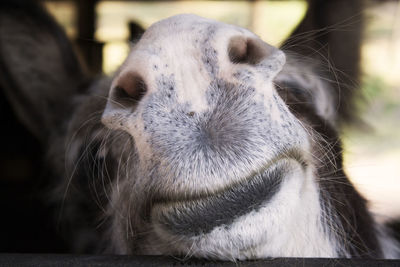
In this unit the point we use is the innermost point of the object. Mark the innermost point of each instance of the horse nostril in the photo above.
(130, 88)
(242, 50)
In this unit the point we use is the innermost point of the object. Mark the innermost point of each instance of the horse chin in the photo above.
(229, 224)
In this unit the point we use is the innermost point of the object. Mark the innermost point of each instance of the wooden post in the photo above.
(91, 50)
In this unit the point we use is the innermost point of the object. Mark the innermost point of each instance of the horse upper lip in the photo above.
(294, 154)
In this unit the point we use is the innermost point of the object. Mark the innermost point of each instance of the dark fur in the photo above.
(31, 35)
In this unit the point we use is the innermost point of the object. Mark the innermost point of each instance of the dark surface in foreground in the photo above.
(113, 260)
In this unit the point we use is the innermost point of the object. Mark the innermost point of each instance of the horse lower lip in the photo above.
(201, 216)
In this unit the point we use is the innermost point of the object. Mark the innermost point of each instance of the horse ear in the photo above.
(39, 70)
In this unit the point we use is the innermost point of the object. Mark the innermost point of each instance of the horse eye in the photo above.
(293, 93)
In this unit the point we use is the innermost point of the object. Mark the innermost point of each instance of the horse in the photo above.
(206, 142)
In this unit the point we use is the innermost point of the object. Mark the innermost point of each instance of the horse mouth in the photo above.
(199, 216)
